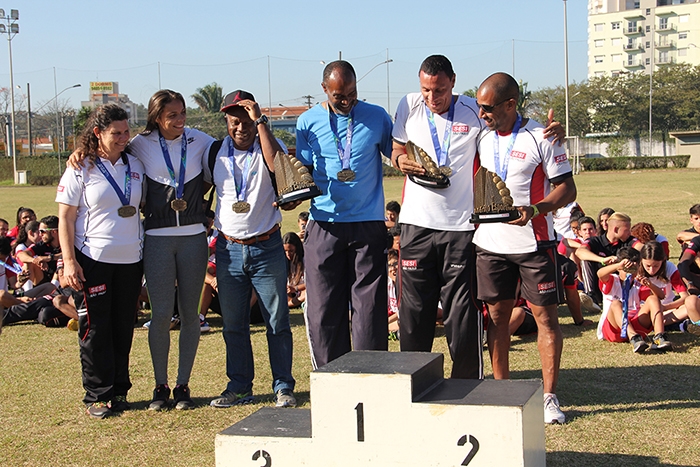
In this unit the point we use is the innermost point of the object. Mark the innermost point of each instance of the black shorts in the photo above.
(569, 271)
(498, 275)
(528, 326)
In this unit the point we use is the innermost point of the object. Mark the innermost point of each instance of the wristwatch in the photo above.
(263, 119)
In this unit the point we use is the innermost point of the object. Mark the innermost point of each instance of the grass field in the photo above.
(622, 409)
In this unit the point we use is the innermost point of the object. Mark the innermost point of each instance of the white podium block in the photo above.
(395, 409)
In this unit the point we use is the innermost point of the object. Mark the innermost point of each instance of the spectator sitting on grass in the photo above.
(393, 209)
(644, 312)
(686, 236)
(645, 233)
(4, 228)
(296, 287)
(302, 220)
(603, 217)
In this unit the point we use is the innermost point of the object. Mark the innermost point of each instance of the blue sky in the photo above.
(197, 43)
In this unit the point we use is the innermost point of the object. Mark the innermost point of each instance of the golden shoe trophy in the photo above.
(492, 200)
(434, 177)
(294, 182)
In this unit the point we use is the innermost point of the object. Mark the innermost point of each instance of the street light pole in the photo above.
(11, 30)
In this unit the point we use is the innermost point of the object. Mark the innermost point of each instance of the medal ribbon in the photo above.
(124, 196)
(625, 305)
(243, 186)
(14, 267)
(343, 152)
(179, 184)
(502, 171)
(441, 150)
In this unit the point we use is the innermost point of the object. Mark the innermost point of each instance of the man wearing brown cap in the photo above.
(249, 252)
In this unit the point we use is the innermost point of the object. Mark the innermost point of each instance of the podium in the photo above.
(394, 408)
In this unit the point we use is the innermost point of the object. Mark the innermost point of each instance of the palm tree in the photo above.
(209, 98)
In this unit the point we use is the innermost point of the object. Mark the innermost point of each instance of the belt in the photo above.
(251, 240)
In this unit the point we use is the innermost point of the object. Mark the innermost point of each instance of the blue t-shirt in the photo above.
(363, 198)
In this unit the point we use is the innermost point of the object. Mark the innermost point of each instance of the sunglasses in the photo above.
(490, 108)
(43, 231)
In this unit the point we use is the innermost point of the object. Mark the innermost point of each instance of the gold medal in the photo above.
(241, 207)
(126, 211)
(178, 205)
(346, 175)
(446, 171)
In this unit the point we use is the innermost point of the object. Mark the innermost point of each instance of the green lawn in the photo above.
(623, 409)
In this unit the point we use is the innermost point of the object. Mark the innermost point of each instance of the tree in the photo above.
(81, 120)
(209, 98)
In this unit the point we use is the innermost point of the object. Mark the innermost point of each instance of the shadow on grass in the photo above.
(618, 389)
(581, 459)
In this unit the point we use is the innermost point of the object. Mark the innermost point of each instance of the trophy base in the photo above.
(492, 217)
(298, 195)
(432, 182)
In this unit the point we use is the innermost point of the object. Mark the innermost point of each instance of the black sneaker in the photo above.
(181, 396)
(98, 410)
(639, 345)
(119, 404)
(161, 394)
(661, 342)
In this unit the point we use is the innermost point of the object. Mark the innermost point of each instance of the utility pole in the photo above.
(308, 100)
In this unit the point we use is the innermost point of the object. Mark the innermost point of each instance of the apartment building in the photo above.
(631, 36)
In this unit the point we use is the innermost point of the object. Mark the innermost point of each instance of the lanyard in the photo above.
(441, 150)
(243, 186)
(125, 196)
(179, 184)
(502, 171)
(343, 152)
(625, 305)
(14, 267)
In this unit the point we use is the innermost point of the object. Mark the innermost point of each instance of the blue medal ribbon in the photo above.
(502, 170)
(241, 188)
(14, 267)
(626, 286)
(441, 150)
(179, 184)
(343, 151)
(124, 196)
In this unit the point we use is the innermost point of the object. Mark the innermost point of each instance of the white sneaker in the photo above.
(552, 412)
(588, 304)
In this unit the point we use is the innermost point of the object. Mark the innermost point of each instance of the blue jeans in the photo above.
(240, 269)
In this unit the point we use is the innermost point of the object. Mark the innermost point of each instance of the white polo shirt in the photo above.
(147, 149)
(447, 208)
(259, 193)
(100, 233)
(534, 162)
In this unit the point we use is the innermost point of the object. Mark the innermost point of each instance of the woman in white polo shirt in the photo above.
(101, 239)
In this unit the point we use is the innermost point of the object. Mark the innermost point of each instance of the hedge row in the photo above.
(628, 163)
(44, 170)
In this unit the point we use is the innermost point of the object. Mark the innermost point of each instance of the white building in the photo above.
(626, 36)
(107, 92)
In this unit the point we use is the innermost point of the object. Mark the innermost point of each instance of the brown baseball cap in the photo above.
(233, 98)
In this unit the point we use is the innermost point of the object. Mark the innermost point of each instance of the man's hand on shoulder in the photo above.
(554, 129)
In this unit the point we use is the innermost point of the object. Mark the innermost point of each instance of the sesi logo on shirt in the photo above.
(560, 158)
(409, 264)
(457, 128)
(60, 188)
(518, 155)
(135, 176)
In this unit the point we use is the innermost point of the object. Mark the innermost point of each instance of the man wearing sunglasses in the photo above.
(40, 258)
(522, 251)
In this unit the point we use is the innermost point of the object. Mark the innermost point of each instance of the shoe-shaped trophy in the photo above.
(492, 200)
(294, 182)
(433, 177)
